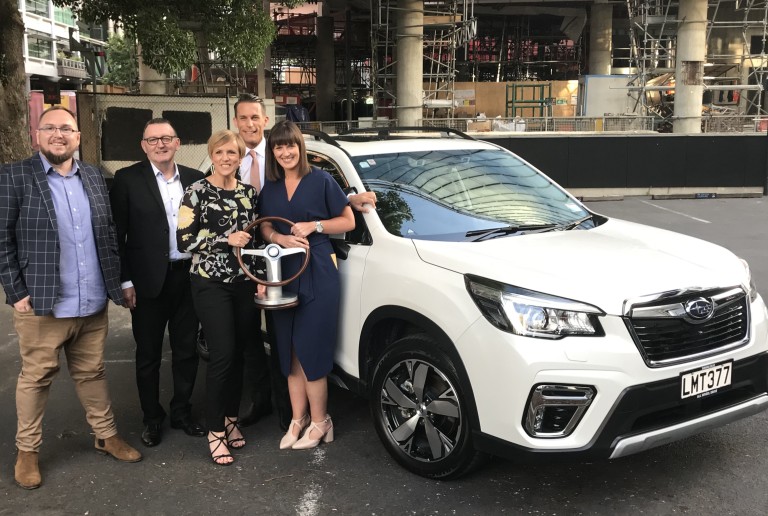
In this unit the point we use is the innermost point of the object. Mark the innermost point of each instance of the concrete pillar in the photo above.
(151, 82)
(600, 38)
(410, 62)
(264, 76)
(263, 73)
(689, 66)
(326, 70)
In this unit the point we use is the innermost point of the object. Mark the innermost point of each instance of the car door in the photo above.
(352, 250)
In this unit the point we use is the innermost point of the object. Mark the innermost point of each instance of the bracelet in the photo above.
(270, 237)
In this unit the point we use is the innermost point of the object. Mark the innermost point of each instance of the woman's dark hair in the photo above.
(285, 133)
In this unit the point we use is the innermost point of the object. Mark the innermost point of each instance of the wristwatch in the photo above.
(318, 226)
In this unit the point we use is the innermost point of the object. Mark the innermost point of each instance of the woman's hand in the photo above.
(238, 239)
(290, 241)
(303, 229)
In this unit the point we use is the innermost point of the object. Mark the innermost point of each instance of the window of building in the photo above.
(40, 48)
(64, 15)
(39, 7)
(98, 32)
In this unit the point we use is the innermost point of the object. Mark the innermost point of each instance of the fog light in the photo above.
(555, 410)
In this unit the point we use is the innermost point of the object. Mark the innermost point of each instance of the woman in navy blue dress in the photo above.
(306, 334)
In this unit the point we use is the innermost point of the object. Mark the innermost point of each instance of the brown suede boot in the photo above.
(27, 470)
(118, 448)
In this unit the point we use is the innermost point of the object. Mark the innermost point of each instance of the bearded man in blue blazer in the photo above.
(59, 265)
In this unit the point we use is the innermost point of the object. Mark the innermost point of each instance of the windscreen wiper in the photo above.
(574, 224)
(504, 230)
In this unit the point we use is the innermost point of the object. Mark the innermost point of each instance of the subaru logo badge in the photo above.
(699, 308)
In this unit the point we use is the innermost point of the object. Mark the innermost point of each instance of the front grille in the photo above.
(666, 334)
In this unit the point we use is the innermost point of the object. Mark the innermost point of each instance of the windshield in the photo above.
(456, 194)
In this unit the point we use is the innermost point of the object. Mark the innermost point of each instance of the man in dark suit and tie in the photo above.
(58, 266)
(155, 276)
(263, 379)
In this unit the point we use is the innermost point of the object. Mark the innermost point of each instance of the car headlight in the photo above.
(533, 314)
(751, 286)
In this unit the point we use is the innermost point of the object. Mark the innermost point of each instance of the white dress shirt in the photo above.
(247, 164)
(171, 191)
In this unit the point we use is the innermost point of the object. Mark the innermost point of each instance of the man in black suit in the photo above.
(262, 377)
(155, 276)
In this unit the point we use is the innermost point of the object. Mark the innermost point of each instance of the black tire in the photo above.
(420, 411)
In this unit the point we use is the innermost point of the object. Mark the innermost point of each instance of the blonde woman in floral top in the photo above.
(213, 213)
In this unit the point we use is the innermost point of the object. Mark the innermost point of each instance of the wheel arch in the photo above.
(387, 324)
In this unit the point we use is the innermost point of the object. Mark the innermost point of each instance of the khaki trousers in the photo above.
(40, 340)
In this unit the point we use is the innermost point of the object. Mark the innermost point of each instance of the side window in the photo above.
(360, 234)
(327, 164)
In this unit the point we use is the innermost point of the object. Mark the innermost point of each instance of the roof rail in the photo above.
(320, 135)
(386, 133)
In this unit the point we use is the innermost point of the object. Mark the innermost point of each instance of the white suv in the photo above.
(484, 309)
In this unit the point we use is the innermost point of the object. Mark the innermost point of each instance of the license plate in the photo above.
(705, 381)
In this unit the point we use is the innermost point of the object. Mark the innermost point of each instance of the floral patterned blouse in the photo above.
(207, 216)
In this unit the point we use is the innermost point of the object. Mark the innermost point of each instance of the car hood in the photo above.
(603, 266)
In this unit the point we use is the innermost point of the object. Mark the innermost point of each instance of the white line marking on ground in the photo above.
(308, 505)
(318, 457)
(677, 212)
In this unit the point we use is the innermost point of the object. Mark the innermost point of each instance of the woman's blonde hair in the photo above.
(285, 133)
(223, 137)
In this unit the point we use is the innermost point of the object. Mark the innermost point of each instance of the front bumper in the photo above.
(652, 414)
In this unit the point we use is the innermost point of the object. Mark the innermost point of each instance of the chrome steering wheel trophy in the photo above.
(275, 298)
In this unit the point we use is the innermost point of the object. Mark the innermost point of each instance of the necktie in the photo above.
(255, 177)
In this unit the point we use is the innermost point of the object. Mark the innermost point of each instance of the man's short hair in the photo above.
(155, 121)
(249, 97)
(57, 108)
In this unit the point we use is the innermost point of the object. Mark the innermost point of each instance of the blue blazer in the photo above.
(29, 238)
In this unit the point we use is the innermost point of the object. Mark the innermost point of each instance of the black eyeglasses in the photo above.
(152, 140)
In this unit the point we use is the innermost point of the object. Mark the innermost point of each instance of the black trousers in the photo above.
(229, 319)
(263, 382)
(172, 308)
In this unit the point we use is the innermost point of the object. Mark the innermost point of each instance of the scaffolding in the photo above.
(735, 69)
(519, 48)
(448, 26)
(527, 99)
(293, 61)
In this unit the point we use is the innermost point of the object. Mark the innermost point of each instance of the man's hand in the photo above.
(23, 305)
(363, 201)
(129, 297)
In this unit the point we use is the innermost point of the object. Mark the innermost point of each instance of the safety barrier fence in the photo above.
(111, 125)
(630, 124)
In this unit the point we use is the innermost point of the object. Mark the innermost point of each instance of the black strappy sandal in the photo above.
(229, 427)
(222, 441)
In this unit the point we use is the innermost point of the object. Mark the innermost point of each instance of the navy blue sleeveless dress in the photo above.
(310, 329)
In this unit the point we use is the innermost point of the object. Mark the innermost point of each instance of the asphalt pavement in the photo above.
(719, 472)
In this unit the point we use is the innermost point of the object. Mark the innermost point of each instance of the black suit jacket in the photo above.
(29, 237)
(142, 227)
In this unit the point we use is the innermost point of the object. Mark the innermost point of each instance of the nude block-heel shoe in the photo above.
(306, 442)
(289, 439)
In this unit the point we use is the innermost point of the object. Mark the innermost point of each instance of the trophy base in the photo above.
(276, 303)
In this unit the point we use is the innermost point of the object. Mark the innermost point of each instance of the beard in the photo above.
(57, 159)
